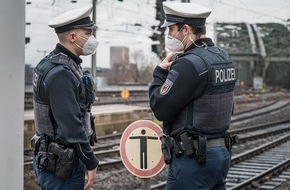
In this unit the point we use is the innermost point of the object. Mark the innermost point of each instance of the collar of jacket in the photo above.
(61, 49)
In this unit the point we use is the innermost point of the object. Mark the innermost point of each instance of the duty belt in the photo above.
(196, 146)
(209, 143)
(193, 145)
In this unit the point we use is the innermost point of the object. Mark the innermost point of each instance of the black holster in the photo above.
(45, 160)
(166, 147)
(202, 149)
(191, 149)
(64, 160)
(188, 145)
(177, 148)
(52, 157)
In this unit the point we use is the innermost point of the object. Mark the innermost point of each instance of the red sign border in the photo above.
(135, 171)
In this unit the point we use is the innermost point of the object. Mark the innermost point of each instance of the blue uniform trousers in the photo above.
(48, 181)
(185, 173)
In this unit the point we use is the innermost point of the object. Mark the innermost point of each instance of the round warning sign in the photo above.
(125, 94)
(140, 149)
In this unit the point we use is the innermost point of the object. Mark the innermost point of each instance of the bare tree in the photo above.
(144, 64)
(137, 72)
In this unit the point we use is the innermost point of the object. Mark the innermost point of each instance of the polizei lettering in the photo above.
(224, 75)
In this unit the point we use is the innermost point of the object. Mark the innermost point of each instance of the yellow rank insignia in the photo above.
(166, 87)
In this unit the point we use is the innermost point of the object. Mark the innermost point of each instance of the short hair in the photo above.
(197, 30)
(62, 36)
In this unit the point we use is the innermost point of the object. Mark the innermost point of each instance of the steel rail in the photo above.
(250, 155)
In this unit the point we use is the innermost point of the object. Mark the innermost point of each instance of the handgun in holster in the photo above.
(64, 161)
(166, 146)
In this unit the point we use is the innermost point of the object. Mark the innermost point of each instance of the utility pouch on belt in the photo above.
(45, 160)
(35, 143)
(65, 158)
(202, 149)
(166, 146)
(188, 145)
(177, 148)
(230, 140)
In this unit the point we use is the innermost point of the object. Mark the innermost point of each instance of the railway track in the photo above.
(108, 141)
(244, 115)
(251, 169)
(108, 145)
(141, 97)
(262, 130)
(255, 133)
(249, 133)
(107, 148)
(276, 173)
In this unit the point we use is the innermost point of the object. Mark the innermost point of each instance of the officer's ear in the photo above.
(187, 29)
(72, 36)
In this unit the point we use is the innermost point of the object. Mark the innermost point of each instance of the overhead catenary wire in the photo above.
(253, 11)
(117, 19)
(37, 10)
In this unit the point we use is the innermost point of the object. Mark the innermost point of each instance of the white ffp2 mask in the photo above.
(174, 44)
(90, 46)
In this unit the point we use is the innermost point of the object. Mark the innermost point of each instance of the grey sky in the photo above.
(117, 22)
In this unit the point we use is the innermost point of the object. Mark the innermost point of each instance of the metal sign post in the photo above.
(146, 183)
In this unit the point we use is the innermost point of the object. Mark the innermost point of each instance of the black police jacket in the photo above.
(57, 98)
(200, 80)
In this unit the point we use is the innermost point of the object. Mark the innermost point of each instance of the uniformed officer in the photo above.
(63, 95)
(192, 93)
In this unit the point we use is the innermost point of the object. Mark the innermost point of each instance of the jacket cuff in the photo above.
(92, 163)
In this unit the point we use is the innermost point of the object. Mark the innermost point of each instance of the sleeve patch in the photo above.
(166, 87)
(37, 78)
(172, 76)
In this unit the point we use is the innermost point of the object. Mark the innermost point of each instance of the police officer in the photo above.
(192, 93)
(63, 95)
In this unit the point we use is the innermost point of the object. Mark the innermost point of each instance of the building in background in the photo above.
(119, 55)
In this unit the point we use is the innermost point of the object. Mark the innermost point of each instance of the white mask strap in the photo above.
(80, 37)
(78, 46)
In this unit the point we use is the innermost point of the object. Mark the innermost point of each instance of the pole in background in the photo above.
(158, 33)
(94, 60)
(12, 93)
